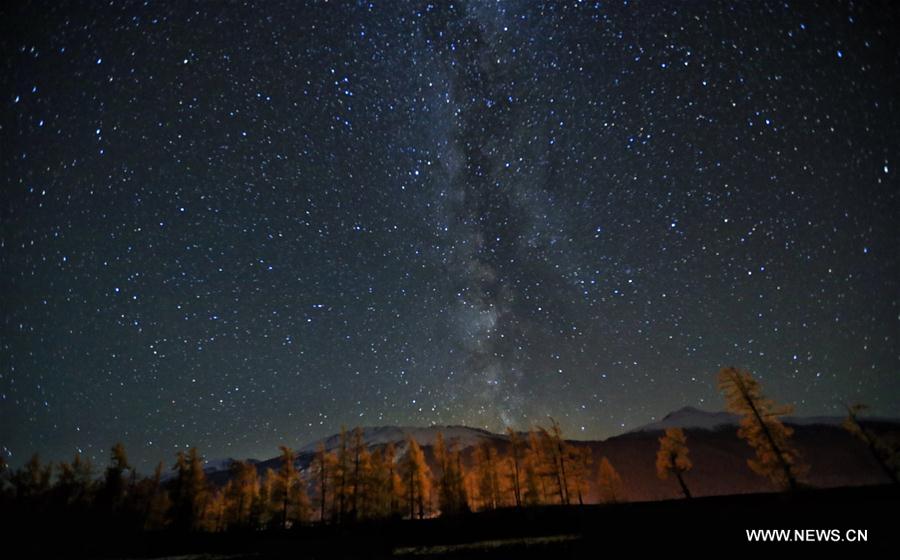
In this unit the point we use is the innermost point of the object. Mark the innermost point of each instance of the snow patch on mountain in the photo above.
(690, 417)
(382, 435)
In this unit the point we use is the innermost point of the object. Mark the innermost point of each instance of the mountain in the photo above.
(836, 458)
(375, 437)
(719, 457)
(690, 417)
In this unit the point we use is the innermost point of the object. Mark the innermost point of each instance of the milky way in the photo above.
(240, 225)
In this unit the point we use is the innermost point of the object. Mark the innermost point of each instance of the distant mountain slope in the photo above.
(719, 457)
(690, 417)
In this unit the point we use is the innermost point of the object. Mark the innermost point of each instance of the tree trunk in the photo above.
(684, 488)
(870, 442)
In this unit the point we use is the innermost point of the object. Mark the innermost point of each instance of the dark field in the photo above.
(681, 527)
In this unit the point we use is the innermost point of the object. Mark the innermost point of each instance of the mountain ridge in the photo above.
(687, 417)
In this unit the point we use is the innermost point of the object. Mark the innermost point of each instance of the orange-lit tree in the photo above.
(417, 479)
(516, 459)
(609, 483)
(776, 457)
(672, 457)
(449, 478)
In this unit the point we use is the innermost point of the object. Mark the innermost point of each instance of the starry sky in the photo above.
(237, 225)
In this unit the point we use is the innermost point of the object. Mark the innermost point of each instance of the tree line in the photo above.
(354, 482)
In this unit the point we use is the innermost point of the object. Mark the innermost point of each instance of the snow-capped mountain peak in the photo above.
(690, 417)
(694, 418)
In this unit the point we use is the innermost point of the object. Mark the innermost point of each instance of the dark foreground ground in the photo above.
(683, 527)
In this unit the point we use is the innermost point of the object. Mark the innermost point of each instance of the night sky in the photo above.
(234, 226)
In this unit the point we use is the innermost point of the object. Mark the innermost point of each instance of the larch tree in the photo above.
(535, 488)
(672, 458)
(74, 484)
(516, 457)
(324, 464)
(287, 484)
(195, 488)
(112, 494)
(487, 471)
(180, 513)
(376, 502)
(31, 482)
(189, 491)
(776, 458)
(5, 475)
(459, 482)
(395, 480)
(361, 467)
(383, 484)
(554, 453)
(300, 506)
(158, 504)
(580, 460)
(216, 512)
(240, 493)
(302, 503)
(342, 472)
(449, 478)
(532, 496)
(417, 478)
(562, 457)
(442, 458)
(886, 455)
(609, 483)
(266, 506)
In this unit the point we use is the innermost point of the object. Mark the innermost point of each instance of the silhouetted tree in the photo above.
(158, 503)
(362, 459)
(760, 426)
(290, 490)
(189, 491)
(672, 457)
(342, 474)
(886, 455)
(32, 481)
(112, 493)
(395, 481)
(240, 493)
(5, 475)
(286, 485)
(324, 464)
(74, 485)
